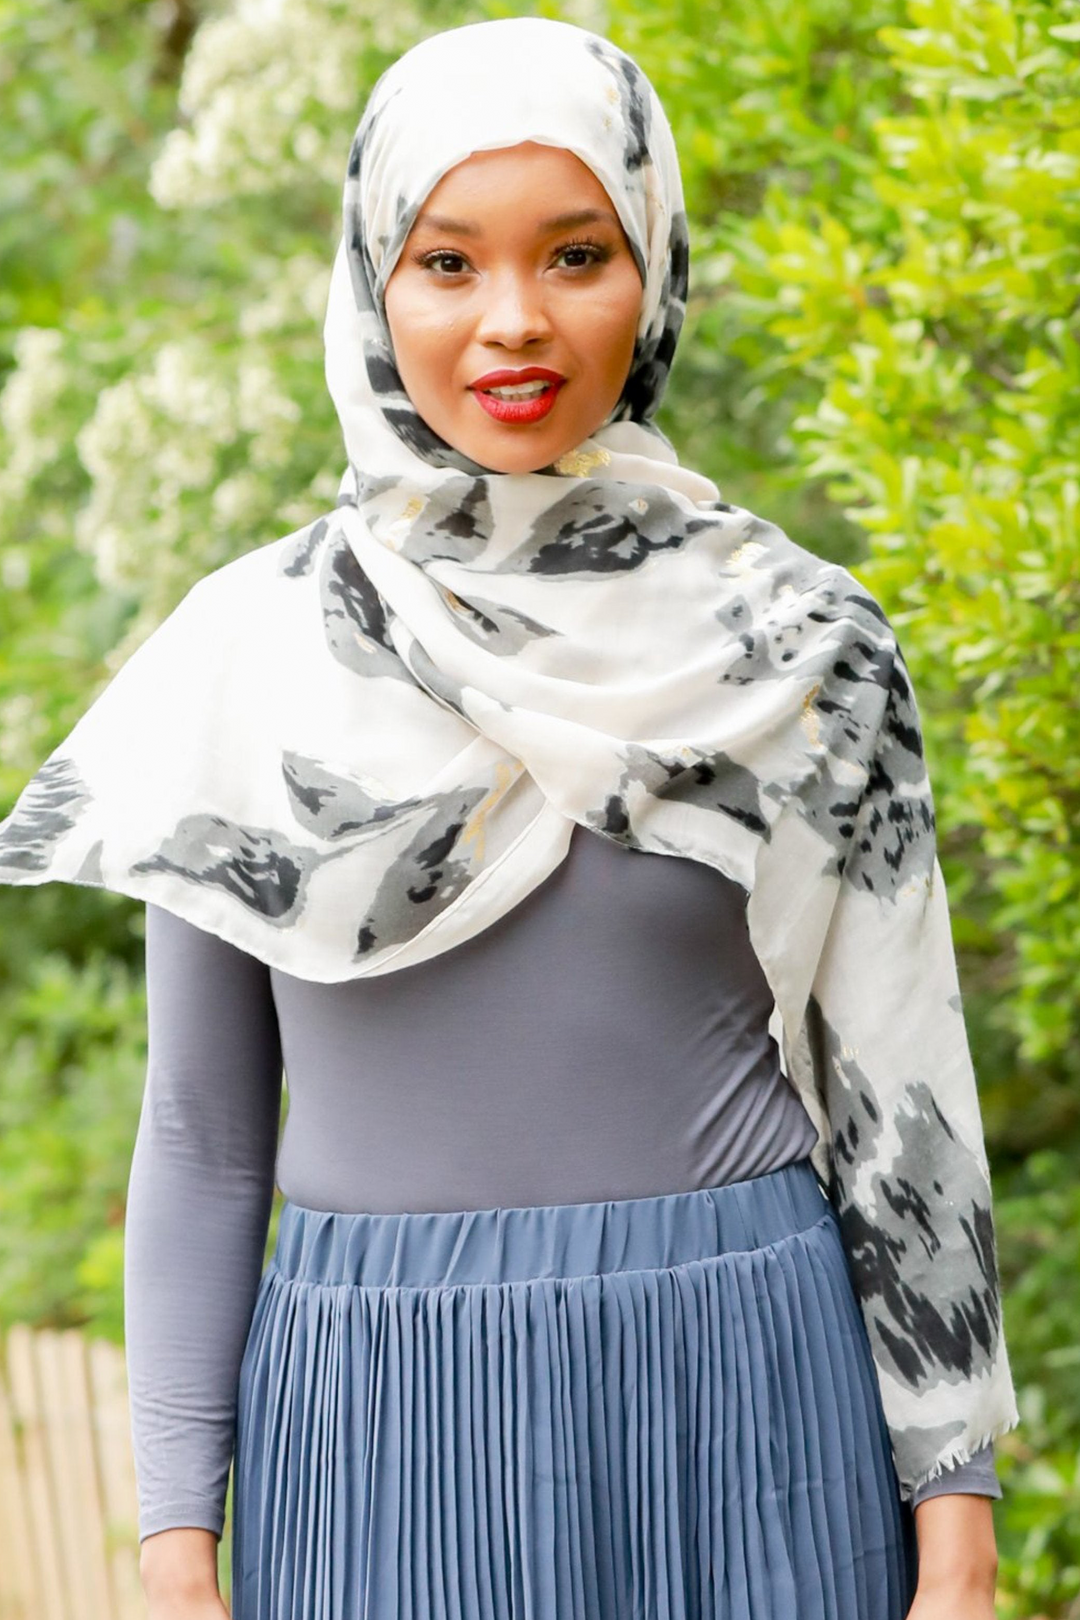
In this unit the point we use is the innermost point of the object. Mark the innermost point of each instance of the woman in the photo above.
(582, 1304)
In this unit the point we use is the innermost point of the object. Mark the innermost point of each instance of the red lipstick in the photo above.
(522, 410)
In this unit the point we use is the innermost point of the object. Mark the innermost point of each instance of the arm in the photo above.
(909, 1172)
(954, 1526)
(199, 1199)
(957, 1559)
(888, 1057)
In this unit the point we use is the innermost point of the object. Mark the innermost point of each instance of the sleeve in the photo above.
(909, 1171)
(200, 1194)
(976, 1477)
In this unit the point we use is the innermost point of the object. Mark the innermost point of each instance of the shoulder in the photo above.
(760, 553)
(800, 614)
(229, 618)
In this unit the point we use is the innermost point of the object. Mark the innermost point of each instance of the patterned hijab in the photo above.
(356, 747)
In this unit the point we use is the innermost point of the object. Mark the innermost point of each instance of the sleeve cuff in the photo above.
(190, 1515)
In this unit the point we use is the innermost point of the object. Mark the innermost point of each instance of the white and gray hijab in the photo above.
(359, 745)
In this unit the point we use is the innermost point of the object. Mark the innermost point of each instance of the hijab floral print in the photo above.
(355, 747)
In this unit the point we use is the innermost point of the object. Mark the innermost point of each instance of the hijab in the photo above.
(357, 746)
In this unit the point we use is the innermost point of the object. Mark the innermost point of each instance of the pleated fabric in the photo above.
(659, 1408)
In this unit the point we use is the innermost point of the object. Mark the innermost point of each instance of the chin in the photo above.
(521, 463)
(526, 456)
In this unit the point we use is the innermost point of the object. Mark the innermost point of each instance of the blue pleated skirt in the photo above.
(657, 1408)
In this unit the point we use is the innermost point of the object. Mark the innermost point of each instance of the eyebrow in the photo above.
(560, 222)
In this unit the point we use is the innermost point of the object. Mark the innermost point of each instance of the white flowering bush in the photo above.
(268, 90)
(222, 440)
(28, 409)
(197, 434)
(190, 422)
(51, 638)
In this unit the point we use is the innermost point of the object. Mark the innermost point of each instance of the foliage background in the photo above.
(881, 355)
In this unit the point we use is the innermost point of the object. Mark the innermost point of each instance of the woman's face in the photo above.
(513, 307)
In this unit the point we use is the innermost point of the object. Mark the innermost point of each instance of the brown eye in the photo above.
(580, 255)
(444, 262)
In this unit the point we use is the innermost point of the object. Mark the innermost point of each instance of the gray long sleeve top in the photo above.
(607, 1038)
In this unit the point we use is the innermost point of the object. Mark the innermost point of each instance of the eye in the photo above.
(580, 255)
(443, 261)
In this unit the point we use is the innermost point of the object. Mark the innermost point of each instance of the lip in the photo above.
(507, 377)
(521, 411)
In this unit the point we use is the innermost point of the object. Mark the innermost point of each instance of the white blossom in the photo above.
(261, 404)
(295, 296)
(154, 437)
(158, 449)
(272, 91)
(187, 450)
(28, 413)
(234, 498)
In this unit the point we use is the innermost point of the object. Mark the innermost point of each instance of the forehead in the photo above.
(527, 178)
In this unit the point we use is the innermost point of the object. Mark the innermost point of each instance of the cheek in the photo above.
(423, 337)
(610, 331)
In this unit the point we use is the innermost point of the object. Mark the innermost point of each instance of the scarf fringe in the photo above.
(963, 1452)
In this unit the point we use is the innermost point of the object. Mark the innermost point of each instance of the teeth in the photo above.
(529, 390)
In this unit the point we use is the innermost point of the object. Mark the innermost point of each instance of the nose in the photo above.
(513, 311)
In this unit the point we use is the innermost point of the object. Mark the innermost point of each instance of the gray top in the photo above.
(607, 1038)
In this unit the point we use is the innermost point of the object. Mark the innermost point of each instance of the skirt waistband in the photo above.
(421, 1249)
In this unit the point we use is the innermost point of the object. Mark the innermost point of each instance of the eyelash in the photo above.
(599, 252)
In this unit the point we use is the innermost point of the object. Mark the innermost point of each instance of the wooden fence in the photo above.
(69, 1545)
